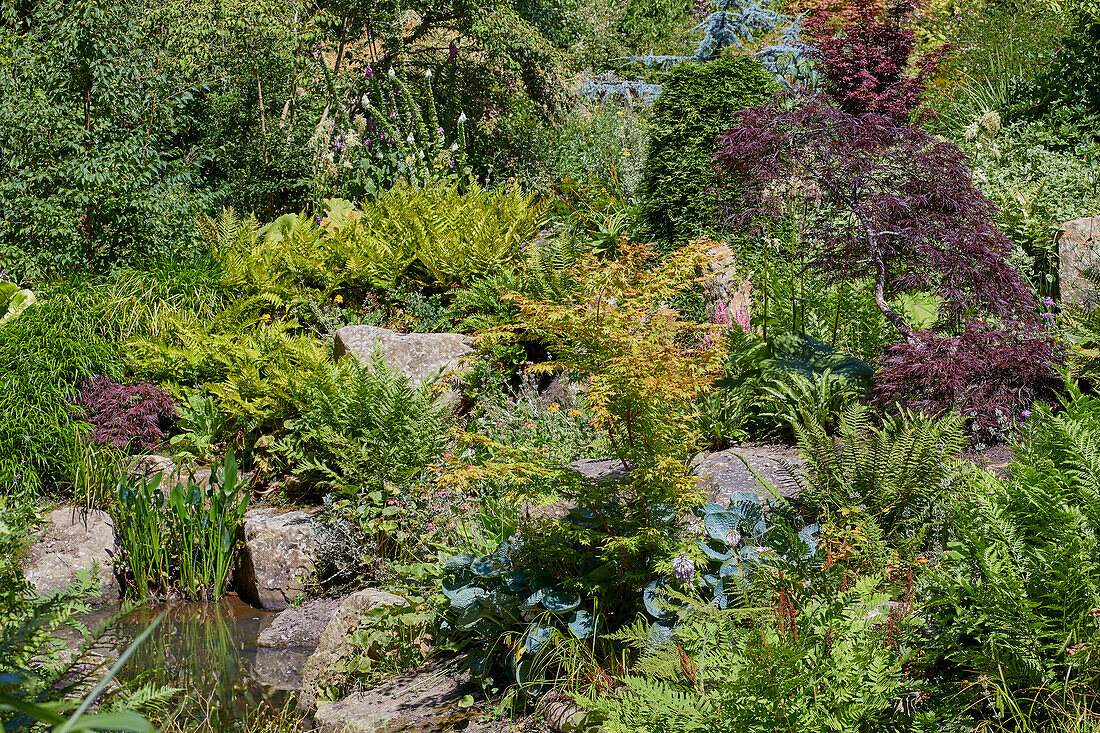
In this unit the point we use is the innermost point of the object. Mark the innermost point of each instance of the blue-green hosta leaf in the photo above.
(736, 571)
(537, 635)
(518, 582)
(583, 624)
(463, 598)
(535, 598)
(495, 565)
(713, 554)
(722, 526)
(710, 508)
(656, 603)
(743, 501)
(761, 528)
(559, 601)
(459, 562)
(479, 660)
(452, 586)
(660, 633)
(721, 600)
(809, 537)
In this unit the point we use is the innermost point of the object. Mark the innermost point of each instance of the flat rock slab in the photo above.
(72, 540)
(301, 627)
(422, 701)
(419, 356)
(276, 559)
(723, 473)
(334, 647)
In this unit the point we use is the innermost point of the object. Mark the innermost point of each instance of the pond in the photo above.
(209, 651)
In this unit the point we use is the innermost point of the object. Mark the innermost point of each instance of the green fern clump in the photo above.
(360, 428)
(835, 664)
(890, 482)
(1015, 597)
(1083, 327)
(441, 235)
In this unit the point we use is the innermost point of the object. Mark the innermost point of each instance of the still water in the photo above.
(209, 651)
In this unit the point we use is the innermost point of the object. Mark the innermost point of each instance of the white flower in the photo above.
(422, 155)
(410, 139)
(365, 100)
(392, 73)
(462, 118)
(428, 74)
(378, 155)
(454, 147)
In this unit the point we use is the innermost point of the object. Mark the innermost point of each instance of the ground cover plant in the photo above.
(806, 233)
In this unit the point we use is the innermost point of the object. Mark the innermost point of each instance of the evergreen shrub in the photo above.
(695, 108)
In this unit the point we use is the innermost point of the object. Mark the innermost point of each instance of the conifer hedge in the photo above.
(695, 107)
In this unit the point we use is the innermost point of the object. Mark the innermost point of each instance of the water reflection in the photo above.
(209, 651)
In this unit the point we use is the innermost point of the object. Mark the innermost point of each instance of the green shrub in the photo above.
(50, 349)
(1036, 188)
(695, 108)
(774, 384)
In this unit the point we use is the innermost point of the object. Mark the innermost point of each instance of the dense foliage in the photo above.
(694, 108)
(199, 197)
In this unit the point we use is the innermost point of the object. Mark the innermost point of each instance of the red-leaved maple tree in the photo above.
(864, 55)
(888, 203)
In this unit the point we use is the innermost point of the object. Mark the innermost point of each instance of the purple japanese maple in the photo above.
(863, 57)
(885, 201)
(881, 200)
(126, 415)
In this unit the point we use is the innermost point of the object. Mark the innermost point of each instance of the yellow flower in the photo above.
(626, 153)
(267, 316)
(552, 407)
(574, 413)
(339, 299)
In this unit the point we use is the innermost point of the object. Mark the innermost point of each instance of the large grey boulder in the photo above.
(72, 540)
(723, 473)
(301, 627)
(411, 701)
(276, 559)
(1078, 245)
(322, 667)
(419, 356)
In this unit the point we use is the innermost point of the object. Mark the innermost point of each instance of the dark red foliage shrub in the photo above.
(885, 202)
(991, 376)
(126, 415)
(863, 58)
